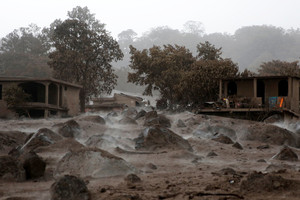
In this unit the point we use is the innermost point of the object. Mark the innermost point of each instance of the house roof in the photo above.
(31, 79)
(129, 96)
(260, 77)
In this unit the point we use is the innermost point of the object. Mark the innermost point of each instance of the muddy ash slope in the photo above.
(153, 155)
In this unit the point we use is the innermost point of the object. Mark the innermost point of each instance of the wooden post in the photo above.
(46, 114)
(255, 87)
(57, 103)
(290, 88)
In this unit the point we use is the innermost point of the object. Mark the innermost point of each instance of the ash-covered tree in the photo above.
(278, 67)
(160, 68)
(207, 51)
(15, 97)
(180, 77)
(83, 53)
(201, 82)
(23, 52)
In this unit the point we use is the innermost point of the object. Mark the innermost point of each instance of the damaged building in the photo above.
(258, 95)
(117, 102)
(48, 96)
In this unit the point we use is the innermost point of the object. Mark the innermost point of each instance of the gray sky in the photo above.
(141, 15)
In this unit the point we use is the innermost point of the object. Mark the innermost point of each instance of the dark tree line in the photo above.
(248, 46)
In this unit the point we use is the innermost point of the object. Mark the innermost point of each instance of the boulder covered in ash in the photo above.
(104, 141)
(94, 119)
(154, 119)
(11, 139)
(69, 129)
(274, 119)
(140, 114)
(151, 114)
(11, 169)
(69, 188)
(92, 162)
(34, 165)
(127, 120)
(223, 139)
(180, 123)
(157, 137)
(209, 131)
(43, 137)
(271, 134)
(130, 112)
(238, 146)
(259, 182)
(286, 153)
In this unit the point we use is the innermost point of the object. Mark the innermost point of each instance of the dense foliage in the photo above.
(15, 97)
(160, 68)
(83, 53)
(180, 77)
(277, 67)
(24, 53)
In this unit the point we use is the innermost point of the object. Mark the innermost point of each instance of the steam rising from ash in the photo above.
(293, 126)
(108, 136)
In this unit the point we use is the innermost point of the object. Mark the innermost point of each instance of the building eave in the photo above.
(30, 79)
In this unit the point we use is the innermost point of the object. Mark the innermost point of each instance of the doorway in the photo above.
(261, 90)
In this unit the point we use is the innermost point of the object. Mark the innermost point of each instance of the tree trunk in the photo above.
(82, 100)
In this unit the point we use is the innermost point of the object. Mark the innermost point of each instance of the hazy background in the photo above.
(141, 15)
(250, 32)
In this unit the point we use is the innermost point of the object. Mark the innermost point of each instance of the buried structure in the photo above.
(48, 96)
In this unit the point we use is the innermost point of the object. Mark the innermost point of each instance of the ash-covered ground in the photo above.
(143, 154)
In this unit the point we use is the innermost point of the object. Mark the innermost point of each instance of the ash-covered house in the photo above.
(48, 96)
(259, 94)
(118, 102)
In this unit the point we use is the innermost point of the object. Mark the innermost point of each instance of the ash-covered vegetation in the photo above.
(81, 50)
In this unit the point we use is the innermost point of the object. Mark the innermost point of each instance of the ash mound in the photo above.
(61, 146)
(94, 119)
(153, 119)
(11, 169)
(286, 154)
(259, 182)
(69, 129)
(127, 120)
(209, 131)
(43, 137)
(92, 162)
(11, 139)
(69, 188)
(156, 137)
(223, 139)
(271, 134)
(106, 142)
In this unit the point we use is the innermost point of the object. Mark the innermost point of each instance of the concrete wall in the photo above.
(271, 88)
(71, 100)
(295, 95)
(245, 88)
(125, 100)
